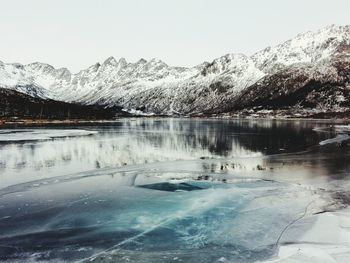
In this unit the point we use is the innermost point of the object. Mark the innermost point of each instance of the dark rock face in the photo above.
(16, 104)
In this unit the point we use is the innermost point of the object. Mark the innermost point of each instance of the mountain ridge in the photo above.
(210, 87)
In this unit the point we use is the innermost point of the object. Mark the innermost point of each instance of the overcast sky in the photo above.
(78, 33)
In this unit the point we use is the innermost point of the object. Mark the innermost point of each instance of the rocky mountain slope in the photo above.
(308, 71)
(309, 88)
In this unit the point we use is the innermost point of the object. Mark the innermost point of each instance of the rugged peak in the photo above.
(112, 65)
(90, 69)
(141, 61)
(41, 67)
(157, 63)
(122, 62)
(110, 61)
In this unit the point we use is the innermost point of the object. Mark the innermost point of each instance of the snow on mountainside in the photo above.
(153, 86)
(307, 47)
(313, 89)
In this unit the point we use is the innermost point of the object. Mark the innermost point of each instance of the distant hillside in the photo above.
(17, 104)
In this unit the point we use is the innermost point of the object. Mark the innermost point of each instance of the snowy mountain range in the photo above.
(231, 82)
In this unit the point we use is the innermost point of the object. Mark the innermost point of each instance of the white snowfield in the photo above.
(163, 89)
(40, 134)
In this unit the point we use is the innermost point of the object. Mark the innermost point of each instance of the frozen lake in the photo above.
(166, 190)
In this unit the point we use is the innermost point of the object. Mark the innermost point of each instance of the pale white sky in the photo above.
(77, 33)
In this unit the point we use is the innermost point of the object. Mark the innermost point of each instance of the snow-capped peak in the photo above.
(141, 61)
(110, 61)
(122, 62)
(40, 67)
(305, 47)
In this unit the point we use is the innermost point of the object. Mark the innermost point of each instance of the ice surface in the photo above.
(341, 131)
(10, 135)
(97, 217)
(338, 139)
(327, 240)
(342, 128)
(190, 191)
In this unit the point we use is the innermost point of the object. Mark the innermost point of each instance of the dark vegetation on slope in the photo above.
(16, 104)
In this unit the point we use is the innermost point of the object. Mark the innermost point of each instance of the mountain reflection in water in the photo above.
(139, 141)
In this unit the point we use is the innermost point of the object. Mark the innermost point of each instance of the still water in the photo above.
(160, 190)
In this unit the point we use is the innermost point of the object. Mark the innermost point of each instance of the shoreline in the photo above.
(39, 122)
(36, 122)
